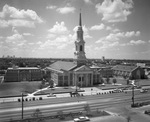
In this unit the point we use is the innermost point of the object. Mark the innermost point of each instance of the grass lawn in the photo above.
(15, 88)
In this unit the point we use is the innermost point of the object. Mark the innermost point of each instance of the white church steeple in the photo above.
(79, 45)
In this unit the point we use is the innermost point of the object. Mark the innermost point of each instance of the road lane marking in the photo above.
(44, 106)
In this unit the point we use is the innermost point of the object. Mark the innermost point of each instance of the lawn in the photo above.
(15, 88)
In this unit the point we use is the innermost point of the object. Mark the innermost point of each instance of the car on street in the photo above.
(143, 91)
(82, 119)
(51, 95)
(117, 90)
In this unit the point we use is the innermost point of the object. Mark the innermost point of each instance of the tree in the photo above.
(128, 118)
(107, 80)
(87, 109)
(37, 113)
(102, 80)
(60, 115)
(51, 83)
(114, 81)
(127, 81)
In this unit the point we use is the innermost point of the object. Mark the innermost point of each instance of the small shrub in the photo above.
(40, 98)
(33, 98)
(19, 100)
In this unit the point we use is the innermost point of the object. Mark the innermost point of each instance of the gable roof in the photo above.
(63, 65)
(124, 68)
(82, 68)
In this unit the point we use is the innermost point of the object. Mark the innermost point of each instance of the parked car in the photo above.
(51, 95)
(147, 112)
(143, 91)
(103, 84)
(117, 90)
(82, 119)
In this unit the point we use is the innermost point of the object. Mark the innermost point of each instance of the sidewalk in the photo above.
(87, 91)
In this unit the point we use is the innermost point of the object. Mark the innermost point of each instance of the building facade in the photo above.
(19, 74)
(131, 72)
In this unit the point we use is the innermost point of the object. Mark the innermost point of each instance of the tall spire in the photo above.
(79, 44)
(80, 21)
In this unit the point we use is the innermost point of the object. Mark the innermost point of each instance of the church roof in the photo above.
(83, 68)
(63, 65)
(124, 68)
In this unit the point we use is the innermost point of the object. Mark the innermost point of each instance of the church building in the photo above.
(76, 73)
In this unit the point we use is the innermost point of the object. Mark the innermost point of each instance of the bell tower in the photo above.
(79, 45)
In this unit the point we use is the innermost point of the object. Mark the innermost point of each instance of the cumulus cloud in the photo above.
(12, 12)
(117, 36)
(14, 38)
(58, 37)
(27, 34)
(59, 28)
(59, 42)
(11, 16)
(17, 23)
(114, 11)
(51, 7)
(98, 27)
(88, 1)
(65, 10)
(107, 44)
(132, 33)
(138, 42)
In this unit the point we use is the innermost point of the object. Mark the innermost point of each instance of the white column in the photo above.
(86, 79)
(91, 79)
(69, 79)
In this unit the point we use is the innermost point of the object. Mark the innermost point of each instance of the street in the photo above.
(12, 110)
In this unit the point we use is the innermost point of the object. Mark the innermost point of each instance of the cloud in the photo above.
(138, 42)
(132, 33)
(3, 23)
(59, 42)
(65, 10)
(59, 28)
(51, 7)
(114, 11)
(88, 1)
(107, 44)
(14, 13)
(11, 16)
(14, 38)
(98, 27)
(27, 34)
(117, 36)
(17, 23)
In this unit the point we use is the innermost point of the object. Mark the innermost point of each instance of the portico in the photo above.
(83, 76)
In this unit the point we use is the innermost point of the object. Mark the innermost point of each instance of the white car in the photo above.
(143, 90)
(82, 119)
(51, 95)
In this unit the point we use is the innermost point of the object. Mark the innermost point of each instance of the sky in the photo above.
(116, 29)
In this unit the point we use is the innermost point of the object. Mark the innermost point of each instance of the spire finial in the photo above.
(80, 21)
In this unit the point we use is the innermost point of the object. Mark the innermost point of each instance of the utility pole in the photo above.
(133, 95)
(22, 105)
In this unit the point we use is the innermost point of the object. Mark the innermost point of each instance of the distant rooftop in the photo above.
(22, 68)
(124, 68)
(63, 65)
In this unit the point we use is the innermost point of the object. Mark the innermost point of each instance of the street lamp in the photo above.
(22, 105)
(133, 95)
(133, 84)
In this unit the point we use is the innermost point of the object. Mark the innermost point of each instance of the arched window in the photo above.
(80, 47)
